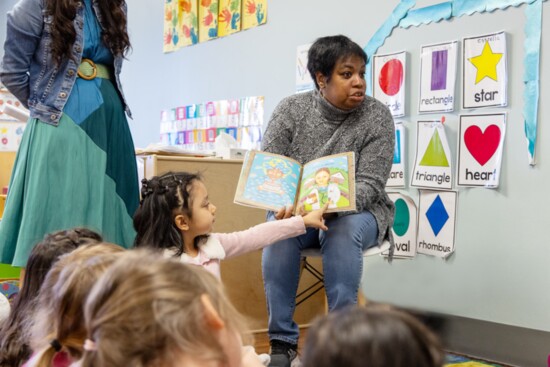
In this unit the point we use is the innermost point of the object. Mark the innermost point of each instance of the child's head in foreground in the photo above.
(14, 338)
(59, 319)
(373, 336)
(152, 311)
(175, 212)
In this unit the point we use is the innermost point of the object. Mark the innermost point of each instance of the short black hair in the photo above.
(327, 51)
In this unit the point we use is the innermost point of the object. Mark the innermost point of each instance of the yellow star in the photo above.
(486, 63)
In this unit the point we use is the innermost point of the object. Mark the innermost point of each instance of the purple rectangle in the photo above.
(439, 70)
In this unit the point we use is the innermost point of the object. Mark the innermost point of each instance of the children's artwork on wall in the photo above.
(404, 225)
(432, 166)
(254, 13)
(188, 24)
(437, 77)
(389, 81)
(480, 146)
(171, 33)
(436, 223)
(485, 74)
(229, 18)
(10, 135)
(304, 82)
(397, 174)
(208, 19)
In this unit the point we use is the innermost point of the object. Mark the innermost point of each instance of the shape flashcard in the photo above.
(480, 145)
(437, 77)
(404, 225)
(485, 73)
(389, 81)
(436, 223)
(397, 174)
(432, 166)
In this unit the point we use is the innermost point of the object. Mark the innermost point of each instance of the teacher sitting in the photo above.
(336, 117)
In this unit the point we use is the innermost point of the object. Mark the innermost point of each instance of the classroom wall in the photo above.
(501, 269)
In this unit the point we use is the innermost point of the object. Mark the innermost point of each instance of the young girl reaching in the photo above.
(175, 215)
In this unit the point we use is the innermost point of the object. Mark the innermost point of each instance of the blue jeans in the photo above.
(342, 249)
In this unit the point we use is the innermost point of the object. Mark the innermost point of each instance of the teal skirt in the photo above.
(79, 173)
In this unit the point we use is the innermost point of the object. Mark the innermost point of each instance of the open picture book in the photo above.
(271, 181)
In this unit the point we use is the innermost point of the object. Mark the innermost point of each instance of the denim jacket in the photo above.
(28, 70)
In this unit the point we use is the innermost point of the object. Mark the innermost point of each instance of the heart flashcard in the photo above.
(482, 145)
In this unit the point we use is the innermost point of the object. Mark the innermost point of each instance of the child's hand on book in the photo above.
(284, 213)
(314, 219)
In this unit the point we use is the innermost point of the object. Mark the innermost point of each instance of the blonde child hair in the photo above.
(374, 336)
(59, 320)
(147, 310)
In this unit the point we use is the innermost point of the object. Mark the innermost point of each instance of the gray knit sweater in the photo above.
(305, 127)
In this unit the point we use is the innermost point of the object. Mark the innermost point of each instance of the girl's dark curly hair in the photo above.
(163, 197)
(63, 13)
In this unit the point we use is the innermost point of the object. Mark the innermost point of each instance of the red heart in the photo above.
(482, 145)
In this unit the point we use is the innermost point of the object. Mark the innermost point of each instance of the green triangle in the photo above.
(435, 154)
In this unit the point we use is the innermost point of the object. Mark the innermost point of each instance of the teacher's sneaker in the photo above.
(282, 353)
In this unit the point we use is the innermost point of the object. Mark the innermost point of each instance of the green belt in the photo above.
(89, 70)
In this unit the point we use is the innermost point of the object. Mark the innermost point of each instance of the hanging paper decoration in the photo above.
(432, 166)
(436, 223)
(437, 77)
(389, 81)
(229, 18)
(404, 225)
(208, 20)
(254, 13)
(480, 146)
(397, 174)
(485, 74)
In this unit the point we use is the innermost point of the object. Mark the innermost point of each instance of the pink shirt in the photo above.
(219, 246)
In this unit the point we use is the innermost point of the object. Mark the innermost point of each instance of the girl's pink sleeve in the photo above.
(260, 236)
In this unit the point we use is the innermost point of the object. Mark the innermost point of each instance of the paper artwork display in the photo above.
(485, 72)
(188, 22)
(254, 13)
(388, 81)
(397, 173)
(229, 18)
(404, 227)
(10, 135)
(208, 20)
(432, 166)
(480, 146)
(436, 223)
(304, 82)
(437, 77)
(271, 181)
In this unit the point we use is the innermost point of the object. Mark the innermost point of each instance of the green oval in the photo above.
(402, 218)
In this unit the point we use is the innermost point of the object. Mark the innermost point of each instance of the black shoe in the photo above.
(282, 353)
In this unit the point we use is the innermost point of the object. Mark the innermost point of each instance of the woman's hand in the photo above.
(315, 218)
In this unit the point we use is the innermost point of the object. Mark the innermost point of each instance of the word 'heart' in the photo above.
(482, 145)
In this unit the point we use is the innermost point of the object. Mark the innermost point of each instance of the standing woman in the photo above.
(76, 164)
(336, 117)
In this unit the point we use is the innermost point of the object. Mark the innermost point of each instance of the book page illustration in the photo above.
(328, 179)
(271, 181)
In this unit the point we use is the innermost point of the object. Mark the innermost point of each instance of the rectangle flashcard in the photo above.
(437, 77)
(397, 174)
(480, 146)
(432, 166)
(485, 73)
(404, 227)
(436, 223)
(388, 81)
